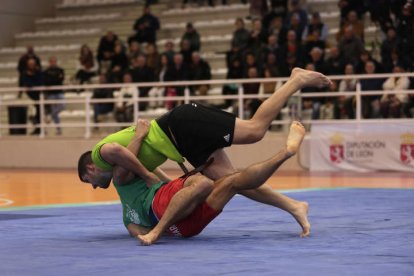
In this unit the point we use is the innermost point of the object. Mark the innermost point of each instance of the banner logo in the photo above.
(407, 148)
(336, 148)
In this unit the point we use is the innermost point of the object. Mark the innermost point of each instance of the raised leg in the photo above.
(253, 130)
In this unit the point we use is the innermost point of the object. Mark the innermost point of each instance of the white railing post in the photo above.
(241, 102)
(87, 116)
(186, 95)
(358, 102)
(135, 98)
(42, 115)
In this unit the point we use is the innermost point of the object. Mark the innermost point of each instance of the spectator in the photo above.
(240, 35)
(251, 105)
(54, 75)
(371, 104)
(87, 67)
(271, 64)
(275, 27)
(32, 77)
(102, 93)
(234, 71)
(345, 106)
(169, 51)
(295, 25)
(106, 51)
(153, 58)
(297, 8)
(124, 106)
(141, 72)
(350, 46)
(278, 11)
(257, 39)
(380, 16)
(200, 70)
(258, 8)
(405, 29)
(398, 57)
(186, 52)
(345, 6)
(146, 27)
(269, 87)
(293, 53)
(364, 57)
(251, 62)
(272, 47)
(316, 58)
(30, 54)
(313, 102)
(119, 64)
(356, 24)
(192, 36)
(327, 110)
(315, 34)
(160, 77)
(335, 63)
(393, 104)
(177, 72)
(234, 53)
(134, 50)
(390, 43)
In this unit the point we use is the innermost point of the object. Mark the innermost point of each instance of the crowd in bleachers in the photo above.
(283, 35)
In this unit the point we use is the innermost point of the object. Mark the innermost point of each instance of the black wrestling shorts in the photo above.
(198, 130)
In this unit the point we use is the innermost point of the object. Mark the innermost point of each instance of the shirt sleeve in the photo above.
(98, 159)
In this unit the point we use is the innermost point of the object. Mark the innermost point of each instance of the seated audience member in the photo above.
(169, 51)
(350, 46)
(141, 72)
(134, 50)
(390, 43)
(316, 30)
(30, 54)
(102, 93)
(87, 67)
(356, 24)
(240, 35)
(327, 109)
(106, 50)
(345, 6)
(153, 58)
(292, 52)
(296, 7)
(251, 105)
(294, 25)
(316, 58)
(257, 38)
(250, 61)
(124, 106)
(334, 63)
(192, 36)
(200, 70)
(178, 71)
(272, 47)
(313, 103)
(371, 104)
(54, 75)
(32, 77)
(345, 105)
(119, 64)
(393, 104)
(186, 52)
(363, 58)
(234, 71)
(146, 27)
(160, 76)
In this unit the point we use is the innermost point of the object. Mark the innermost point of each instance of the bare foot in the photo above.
(149, 238)
(295, 137)
(306, 78)
(301, 216)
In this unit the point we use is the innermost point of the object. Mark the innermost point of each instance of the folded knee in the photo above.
(203, 186)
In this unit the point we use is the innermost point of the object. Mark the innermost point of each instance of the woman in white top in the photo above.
(392, 104)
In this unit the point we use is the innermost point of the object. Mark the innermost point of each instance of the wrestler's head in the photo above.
(89, 173)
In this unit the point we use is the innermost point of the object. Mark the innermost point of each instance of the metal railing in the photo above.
(240, 97)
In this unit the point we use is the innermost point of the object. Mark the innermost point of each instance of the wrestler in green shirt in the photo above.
(155, 149)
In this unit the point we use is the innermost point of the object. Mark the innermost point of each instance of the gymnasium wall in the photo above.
(18, 16)
(22, 152)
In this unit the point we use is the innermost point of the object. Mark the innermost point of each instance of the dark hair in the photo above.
(84, 160)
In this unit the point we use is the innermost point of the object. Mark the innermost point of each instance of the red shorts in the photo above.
(192, 225)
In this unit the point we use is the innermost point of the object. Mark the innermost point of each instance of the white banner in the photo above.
(362, 147)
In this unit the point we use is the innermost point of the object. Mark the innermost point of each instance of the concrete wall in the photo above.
(25, 152)
(19, 15)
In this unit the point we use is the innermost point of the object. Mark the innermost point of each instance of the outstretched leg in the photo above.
(250, 178)
(253, 130)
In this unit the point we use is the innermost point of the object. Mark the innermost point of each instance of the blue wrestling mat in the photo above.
(354, 232)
